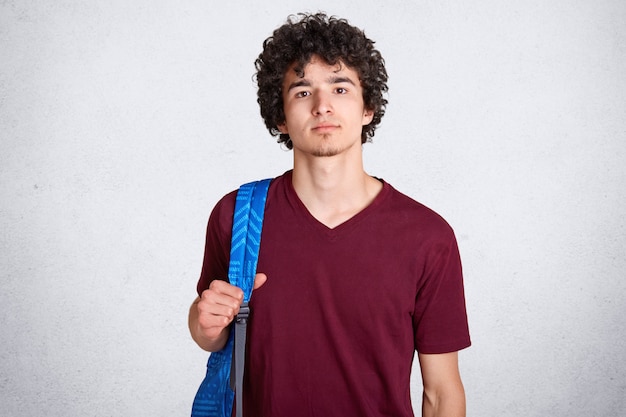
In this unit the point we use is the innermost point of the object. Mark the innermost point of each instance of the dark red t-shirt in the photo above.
(334, 329)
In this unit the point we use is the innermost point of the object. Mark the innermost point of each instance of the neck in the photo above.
(333, 189)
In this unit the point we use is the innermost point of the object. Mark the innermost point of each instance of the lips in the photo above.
(323, 127)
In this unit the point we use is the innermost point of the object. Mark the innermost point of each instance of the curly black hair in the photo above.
(335, 41)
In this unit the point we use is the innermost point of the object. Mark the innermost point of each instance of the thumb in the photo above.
(259, 280)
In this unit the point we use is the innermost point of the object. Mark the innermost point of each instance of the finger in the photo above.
(222, 287)
(218, 306)
(259, 280)
(216, 310)
(214, 302)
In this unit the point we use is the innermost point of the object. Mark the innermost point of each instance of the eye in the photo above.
(301, 94)
(341, 90)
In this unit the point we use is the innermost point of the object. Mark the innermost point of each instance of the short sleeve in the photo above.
(217, 244)
(440, 317)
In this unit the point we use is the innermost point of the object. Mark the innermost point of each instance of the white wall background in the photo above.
(122, 123)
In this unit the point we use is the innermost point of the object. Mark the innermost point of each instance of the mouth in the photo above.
(325, 127)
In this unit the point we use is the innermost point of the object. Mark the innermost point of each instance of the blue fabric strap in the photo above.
(247, 225)
(249, 210)
(215, 395)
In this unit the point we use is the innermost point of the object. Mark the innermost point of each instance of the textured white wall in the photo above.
(122, 123)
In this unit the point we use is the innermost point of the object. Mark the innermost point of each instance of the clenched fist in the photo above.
(212, 312)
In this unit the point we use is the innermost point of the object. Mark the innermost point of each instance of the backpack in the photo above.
(224, 376)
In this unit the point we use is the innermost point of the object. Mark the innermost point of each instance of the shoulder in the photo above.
(223, 210)
(415, 215)
(222, 213)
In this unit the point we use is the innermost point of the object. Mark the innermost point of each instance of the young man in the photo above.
(354, 276)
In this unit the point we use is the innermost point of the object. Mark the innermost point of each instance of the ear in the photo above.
(368, 115)
(282, 128)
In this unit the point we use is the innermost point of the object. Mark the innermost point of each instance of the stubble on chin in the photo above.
(325, 153)
(326, 149)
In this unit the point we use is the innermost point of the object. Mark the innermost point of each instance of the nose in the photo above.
(322, 103)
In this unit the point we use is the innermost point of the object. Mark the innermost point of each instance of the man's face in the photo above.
(324, 109)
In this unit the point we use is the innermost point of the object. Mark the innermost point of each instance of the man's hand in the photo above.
(212, 312)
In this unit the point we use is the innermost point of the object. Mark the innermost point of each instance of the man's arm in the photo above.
(212, 312)
(444, 395)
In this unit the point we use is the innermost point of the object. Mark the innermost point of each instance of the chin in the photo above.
(325, 152)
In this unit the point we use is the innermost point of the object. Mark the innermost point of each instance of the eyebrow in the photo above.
(337, 79)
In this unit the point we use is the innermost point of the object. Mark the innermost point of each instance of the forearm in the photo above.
(209, 344)
(447, 403)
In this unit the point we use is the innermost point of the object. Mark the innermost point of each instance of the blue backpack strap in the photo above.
(215, 396)
(244, 255)
(247, 226)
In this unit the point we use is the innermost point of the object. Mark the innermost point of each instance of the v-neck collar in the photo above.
(341, 229)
